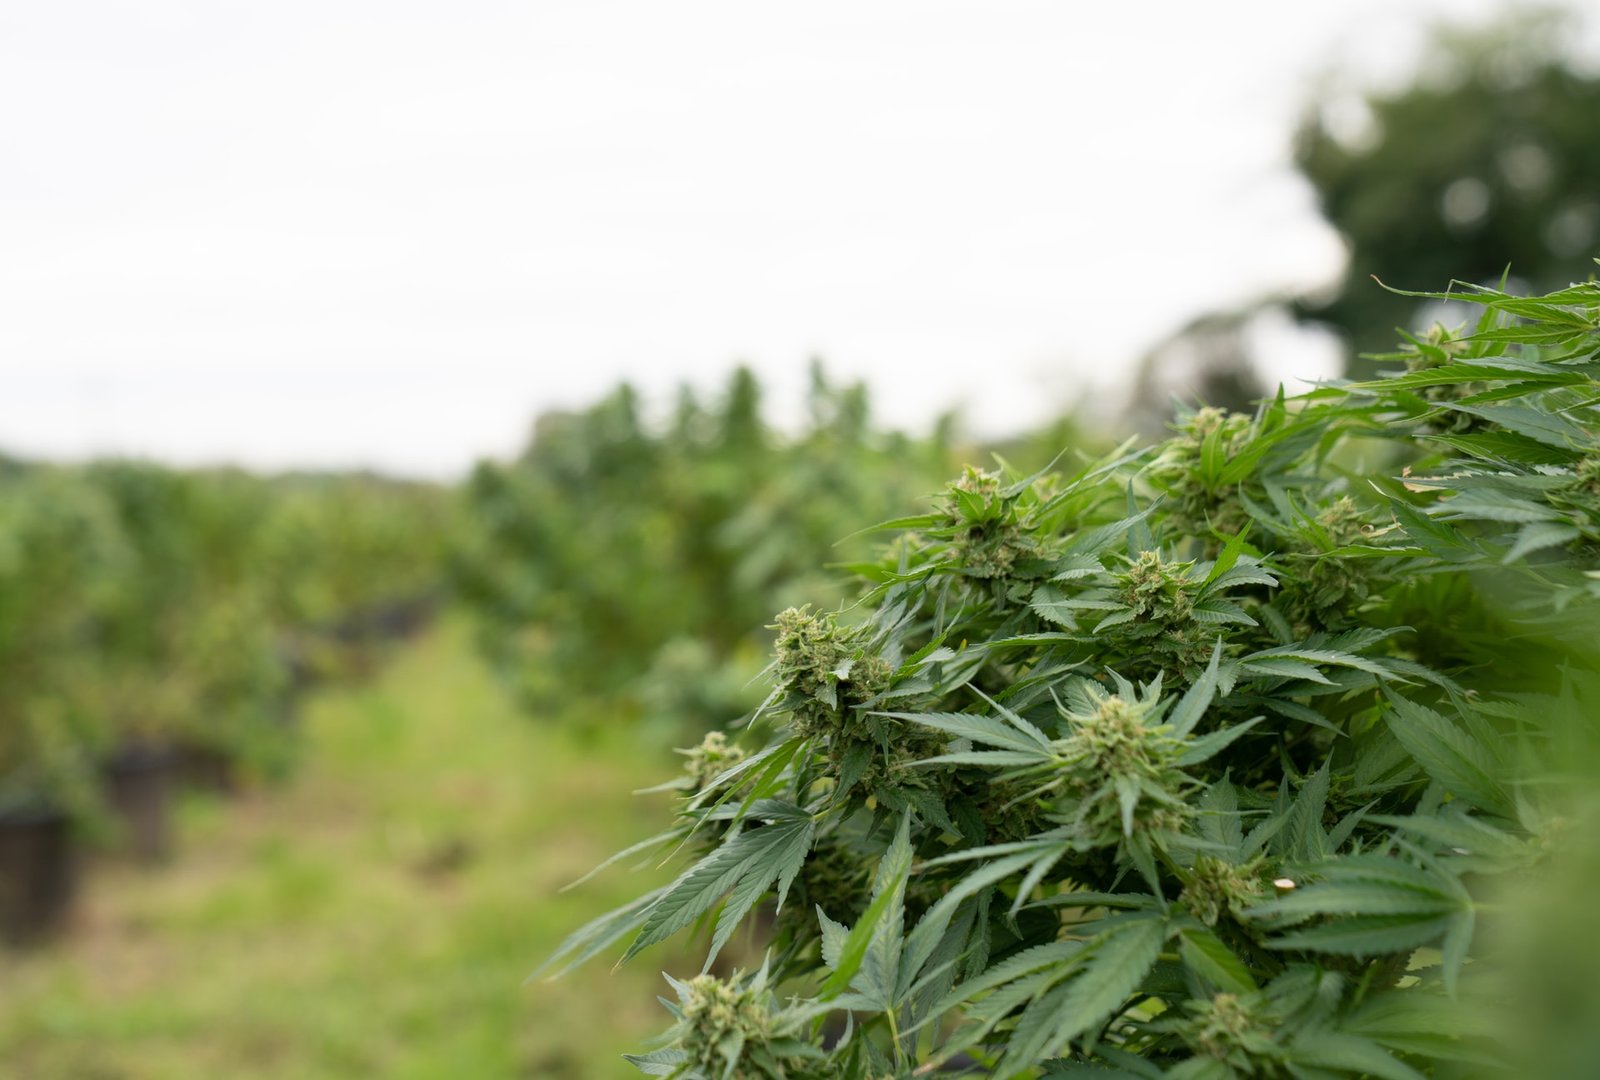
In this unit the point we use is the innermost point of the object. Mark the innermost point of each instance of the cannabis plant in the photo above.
(1212, 759)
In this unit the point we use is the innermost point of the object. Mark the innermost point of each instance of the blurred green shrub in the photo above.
(148, 607)
(62, 556)
(609, 540)
(352, 560)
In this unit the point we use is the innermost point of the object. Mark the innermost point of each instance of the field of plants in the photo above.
(288, 765)
(1185, 726)
(158, 622)
(1265, 749)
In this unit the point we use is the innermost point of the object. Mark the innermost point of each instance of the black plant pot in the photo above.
(140, 780)
(401, 619)
(206, 768)
(38, 872)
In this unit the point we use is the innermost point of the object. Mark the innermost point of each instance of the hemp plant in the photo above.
(1211, 759)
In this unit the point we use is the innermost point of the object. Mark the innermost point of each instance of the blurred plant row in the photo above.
(152, 617)
(635, 564)
(155, 619)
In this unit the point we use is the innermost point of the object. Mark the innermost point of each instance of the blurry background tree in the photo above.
(1211, 358)
(1488, 159)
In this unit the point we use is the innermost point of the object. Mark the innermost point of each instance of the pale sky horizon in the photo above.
(387, 235)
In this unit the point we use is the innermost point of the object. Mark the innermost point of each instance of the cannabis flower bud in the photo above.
(713, 757)
(719, 1016)
(1219, 888)
(1158, 591)
(732, 1029)
(988, 540)
(1119, 767)
(1226, 1029)
(1199, 503)
(822, 667)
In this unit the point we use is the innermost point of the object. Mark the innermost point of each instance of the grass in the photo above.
(375, 917)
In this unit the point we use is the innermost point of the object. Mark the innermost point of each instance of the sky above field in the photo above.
(388, 233)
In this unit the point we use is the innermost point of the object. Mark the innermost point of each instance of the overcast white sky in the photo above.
(387, 233)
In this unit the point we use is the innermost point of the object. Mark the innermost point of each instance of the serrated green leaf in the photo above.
(1283, 668)
(1228, 557)
(598, 934)
(1537, 536)
(1205, 954)
(1114, 964)
(665, 1062)
(1026, 962)
(990, 758)
(980, 729)
(879, 973)
(1304, 837)
(1193, 705)
(1354, 898)
(755, 859)
(834, 936)
(1208, 746)
(1448, 754)
(1333, 1050)
(1368, 935)
(850, 947)
(1453, 953)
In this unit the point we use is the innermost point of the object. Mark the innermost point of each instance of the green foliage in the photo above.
(639, 563)
(61, 559)
(146, 606)
(1204, 760)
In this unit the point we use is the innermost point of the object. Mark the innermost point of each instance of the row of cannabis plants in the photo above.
(1264, 751)
(156, 621)
(627, 566)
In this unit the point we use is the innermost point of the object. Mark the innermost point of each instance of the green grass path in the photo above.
(375, 917)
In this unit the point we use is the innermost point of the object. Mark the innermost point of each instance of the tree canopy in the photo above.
(1488, 160)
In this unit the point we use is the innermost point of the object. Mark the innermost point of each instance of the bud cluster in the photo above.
(718, 1015)
(1325, 591)
(1219, 888)
(988, 540)
(1160, 596)
(1158, 591)
(713, 757)
(1587, 475)
(822, 669)
(1580, 496)
(1227, 1030)
(1113, 752)
(1441, 346)
(732, 1029)
(1199, 507)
